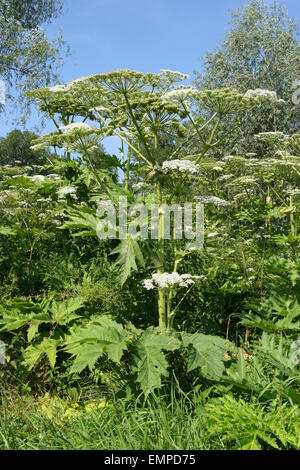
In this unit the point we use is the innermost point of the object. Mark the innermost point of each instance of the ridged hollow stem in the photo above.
(162, 321)
(170, 314)
(292, 218)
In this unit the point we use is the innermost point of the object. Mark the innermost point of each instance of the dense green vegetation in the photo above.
(121, 340)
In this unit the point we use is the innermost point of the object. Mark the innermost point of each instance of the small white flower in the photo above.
(100, 109)
(213, 200)
(44, 200)
(293, 192)
(174, 74)
(180, 165)
(58, 88)
(57, 222)
(38, 146)
(39, 178)
(270, 136)
(225, 177)
(104, 205)
(78, 80)
(167, 280)
(180, 94)
(212, 234)
(265, 94)
(70, 190)
(75, 126)
(53, 176)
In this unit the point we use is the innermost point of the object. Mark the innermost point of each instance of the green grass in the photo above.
(174, 422)
(121, 425)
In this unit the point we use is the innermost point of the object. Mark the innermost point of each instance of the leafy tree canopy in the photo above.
(260, 51)
(15, 149)
(32, 13)
(27, 58)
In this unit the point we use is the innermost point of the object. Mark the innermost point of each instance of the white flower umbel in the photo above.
(53, 176)
(225, 177)
(264, 94)
(180, 165)
(70, 190)
(58, 88)
(271, 137)
(213, 200)
(39, 178)
(167, 280)
(78, 80)
(104, 205)
(271, 134)
(180, 94)
(218, 168)
(173, 74)
(100, 109)
(38, 146)
(75, 126)
(293, 192)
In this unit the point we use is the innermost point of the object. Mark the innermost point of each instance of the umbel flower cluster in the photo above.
(181, 94)
(166, 280)
(67, 190)
(180, 165)
(75, 126)
(267, 94)
(212, 200)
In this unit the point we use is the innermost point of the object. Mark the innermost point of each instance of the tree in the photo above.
(15, 147)
(260, 51)
(32, 13)
(27, 58)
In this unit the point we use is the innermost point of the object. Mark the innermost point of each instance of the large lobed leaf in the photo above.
(149, 361)
(92, 341)
(129, 255)
(207, 352)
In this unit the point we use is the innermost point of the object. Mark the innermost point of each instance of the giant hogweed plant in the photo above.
(271, 183)
(142, 110)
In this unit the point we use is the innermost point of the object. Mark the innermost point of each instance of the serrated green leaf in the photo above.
(206, 352)
(149, 361)
(129, 254)
(34, 353)
(90, 342)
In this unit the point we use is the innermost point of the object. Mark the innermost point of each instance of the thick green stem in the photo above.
(162, 321)
(142, 137)
(292, 219)
(209, 144)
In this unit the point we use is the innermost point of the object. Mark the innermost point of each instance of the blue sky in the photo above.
(144, 35)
